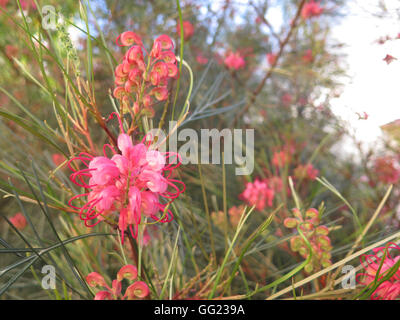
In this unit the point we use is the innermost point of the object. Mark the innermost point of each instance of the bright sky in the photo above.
(374, 85)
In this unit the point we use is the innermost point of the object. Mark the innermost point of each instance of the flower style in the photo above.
(234, 61)
(137, 83)
(137, 290)
(316, 234)
(188, 30)
(258, 193)
(127, 185)
(389, 289)
(311, 9)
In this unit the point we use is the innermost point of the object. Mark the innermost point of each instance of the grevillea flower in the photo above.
(308, 56)
(188, 30)
(137, 82)
(258, 193)
(137, 290)
(317, 235)
(135, 181)
(58, 159)
(280, 159)
(387, 169)
(311, 9)
(234, 61)
(286, 99)
(271, 58)
(389, 289)
(18, 220)
(306, 172)
(201, 59)
(389, 59)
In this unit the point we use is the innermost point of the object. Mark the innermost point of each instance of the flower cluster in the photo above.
(234, 61)
(316, 234)
(258, 193)
(389, 289)
(130, 183)
(139, 83)
(137, 290)
(387, 169)
(311, 9)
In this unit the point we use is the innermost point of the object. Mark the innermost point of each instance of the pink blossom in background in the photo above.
(306, 172)
(258, 193)
(389, 59)
(234, 61)
(188, 30)
(280, 159)
(201, 59)
(387, 170)
(58, 159)
(308, 56)
(18, 220)
(271, 58)
(311, 9)
(387, 290)
(287, 99)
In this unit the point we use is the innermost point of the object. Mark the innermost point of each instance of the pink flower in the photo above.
(280, 159)
(234, 61)
(306, 172)
(201, 59)
(130, 184)
(311, 9)
(389, 289)
(286, 99)
(308, 56)
(138, 289)
(271, 58)
(258, 193)
(188, 30)
(19, 221)
(387, 170)
(389, 59)
(58, 159)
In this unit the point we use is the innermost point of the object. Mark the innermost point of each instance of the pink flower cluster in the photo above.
(316, 234)
(259, 194)
(129, 184)
(188, 30)
(311, 9)
(387, 290)
(234, 61)
(137, 290)
(387, 170)
(139, 83)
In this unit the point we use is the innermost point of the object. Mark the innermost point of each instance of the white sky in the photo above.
(374, 85)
